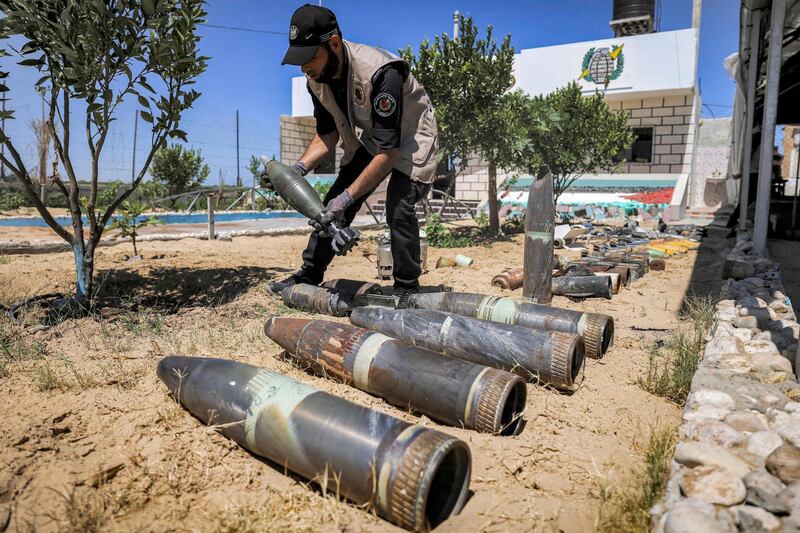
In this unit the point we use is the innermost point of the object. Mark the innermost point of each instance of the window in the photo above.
(641, 151)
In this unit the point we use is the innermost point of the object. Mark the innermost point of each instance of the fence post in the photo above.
(210, 202)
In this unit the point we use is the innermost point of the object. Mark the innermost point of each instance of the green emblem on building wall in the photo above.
(602, 65)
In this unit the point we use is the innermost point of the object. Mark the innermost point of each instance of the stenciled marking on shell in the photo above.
(278, 396)
(363, 361)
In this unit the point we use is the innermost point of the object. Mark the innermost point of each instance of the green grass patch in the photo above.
(673, 362)
(626, 507)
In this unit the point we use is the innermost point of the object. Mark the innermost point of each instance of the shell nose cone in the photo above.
(174, 369)
(285, 331)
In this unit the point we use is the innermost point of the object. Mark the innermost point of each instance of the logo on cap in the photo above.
(293, 33)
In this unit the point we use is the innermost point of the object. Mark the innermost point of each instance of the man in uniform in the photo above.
(365, 98)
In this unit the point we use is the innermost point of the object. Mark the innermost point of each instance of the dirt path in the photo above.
(91, 438)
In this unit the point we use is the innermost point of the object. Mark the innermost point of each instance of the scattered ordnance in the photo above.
(539, 227)
(316, 299)
(460, 260)
(353, 286)
(615, 282)
(551, 357)
(623, 272)
(597, 330)
(413, 476)
(293, 188)
(658, 264)
(450, 390)
(510, 279)
(582, 286)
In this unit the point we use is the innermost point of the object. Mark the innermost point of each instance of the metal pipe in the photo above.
(658, 264)
(750, 111)
(583, 286)
(510, 279)
(596, 330)
(615, 282)
(550, 357)
(455, 392)
(623, 272)
(412, 476)
(773, 79)
(539, 227)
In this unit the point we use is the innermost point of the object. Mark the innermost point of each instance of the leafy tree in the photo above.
(256, 167)
(587, 138)
(129, 221)
(468, 79)
(179, 169)
(91, 54)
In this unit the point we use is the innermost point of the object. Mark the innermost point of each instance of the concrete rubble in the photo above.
(737, 464)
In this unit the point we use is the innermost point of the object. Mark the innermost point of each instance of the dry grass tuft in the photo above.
(626, 507)
(672, 363)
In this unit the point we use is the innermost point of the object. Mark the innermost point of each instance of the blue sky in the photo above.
(244, 72)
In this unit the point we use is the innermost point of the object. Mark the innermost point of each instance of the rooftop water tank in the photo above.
(633, 17)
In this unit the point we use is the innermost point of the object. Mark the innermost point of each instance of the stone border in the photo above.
(737, 462)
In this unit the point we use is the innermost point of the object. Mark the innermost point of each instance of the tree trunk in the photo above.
(494, 208)
(133, 238)
(84, 274)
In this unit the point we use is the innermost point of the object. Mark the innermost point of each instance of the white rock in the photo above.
(747, 420)
(724, 328)
(713, 432)
(756, 519)
(710, 398)
(779, 306)
(751, 302)
(763, 443)
(724, 345)
(777, 418)
(713, 484)
(791, 432)
(735, 362)
(727, 313)
(792, 407)
(693, 454)
(690, 516)
(791, 496)
(769, 399)
(761, 346)
(774, 362)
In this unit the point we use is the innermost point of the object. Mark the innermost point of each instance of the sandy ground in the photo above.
(106, 446)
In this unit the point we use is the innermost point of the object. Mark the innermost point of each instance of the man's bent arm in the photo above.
(373, 175)
(319, 147)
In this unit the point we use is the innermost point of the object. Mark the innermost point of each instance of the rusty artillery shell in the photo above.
(413, 476)
(452, 391)
(539, 228)
(583, 286)
(510, 279)
(316, 299)
(623, 272)
(550, 357)
(596, 330)
(658, 264)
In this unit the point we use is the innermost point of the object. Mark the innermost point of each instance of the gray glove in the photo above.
(334, 212)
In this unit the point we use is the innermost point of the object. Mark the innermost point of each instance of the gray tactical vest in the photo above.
(418, 143)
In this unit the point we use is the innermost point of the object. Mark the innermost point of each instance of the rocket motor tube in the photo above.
(510, 279)
(550, 357)
(413, 476)
(583, 286)
(452, 391)
(596, 330)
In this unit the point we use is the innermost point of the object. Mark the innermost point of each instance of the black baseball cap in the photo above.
(310, 27)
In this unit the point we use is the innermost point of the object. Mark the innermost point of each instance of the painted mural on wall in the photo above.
(602, 65)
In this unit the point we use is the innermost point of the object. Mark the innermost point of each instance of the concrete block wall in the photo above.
(672, 120)
(296, 134)
(471, 183)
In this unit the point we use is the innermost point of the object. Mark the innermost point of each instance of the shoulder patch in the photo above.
(384, 104)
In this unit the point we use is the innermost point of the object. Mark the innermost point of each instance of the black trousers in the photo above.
(401, 196)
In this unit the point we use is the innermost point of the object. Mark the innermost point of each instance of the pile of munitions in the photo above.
(608, 262)
(462, 359)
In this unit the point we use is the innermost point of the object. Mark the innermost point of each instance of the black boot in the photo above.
(276, 287)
